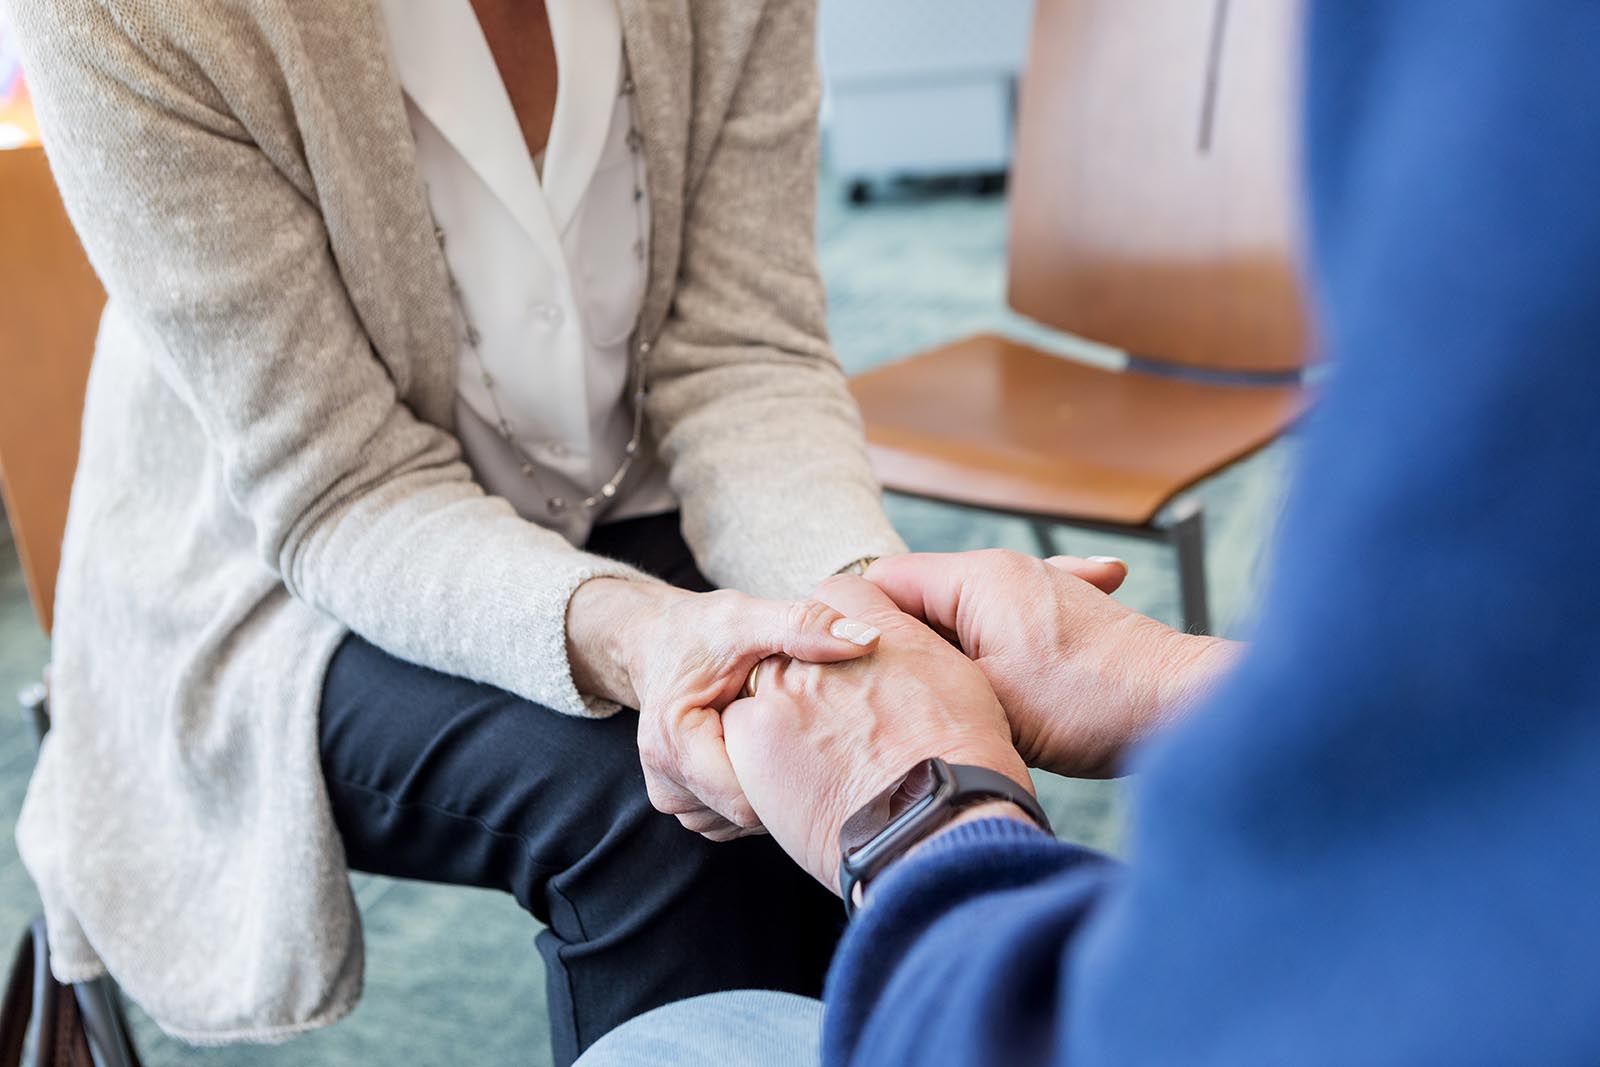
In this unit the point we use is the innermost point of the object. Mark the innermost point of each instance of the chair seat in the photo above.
(995, 423)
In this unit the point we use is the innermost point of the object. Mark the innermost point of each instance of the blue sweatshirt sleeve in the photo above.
(1379, 842)
(912, 945)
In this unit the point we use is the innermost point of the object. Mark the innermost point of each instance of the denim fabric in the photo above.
(744, 1029)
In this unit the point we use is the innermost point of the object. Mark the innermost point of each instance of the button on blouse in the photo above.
(549, 264)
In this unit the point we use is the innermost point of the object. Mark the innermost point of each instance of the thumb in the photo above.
(1105, 573)
(925, 585)
(807, 630)
(857, 596)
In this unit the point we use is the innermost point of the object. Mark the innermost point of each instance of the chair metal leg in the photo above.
(1044, 537)
(1187, 534)
(109, 1041)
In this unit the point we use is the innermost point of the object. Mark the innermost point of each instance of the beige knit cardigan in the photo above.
(267, 458)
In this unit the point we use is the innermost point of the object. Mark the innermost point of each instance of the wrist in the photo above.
(609, 621)
(994, 809)
(933, 796)
(1165, 669)
(1192, 666)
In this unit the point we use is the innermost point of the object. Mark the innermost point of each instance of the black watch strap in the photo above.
(930, 795)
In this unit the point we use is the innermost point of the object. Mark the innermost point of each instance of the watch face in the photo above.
(921, 783)
(877, 832)
(918, 805)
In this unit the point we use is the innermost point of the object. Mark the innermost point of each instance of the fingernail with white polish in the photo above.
(857, 633)
(1109, 559)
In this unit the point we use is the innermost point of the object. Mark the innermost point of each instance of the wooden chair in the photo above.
(50, 304)
(1153, 211)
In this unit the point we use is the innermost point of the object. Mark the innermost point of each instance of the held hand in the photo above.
(1081, 676)
(680, 658)
(816, 743)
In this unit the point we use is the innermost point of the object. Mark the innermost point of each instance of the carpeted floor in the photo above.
(452, 976)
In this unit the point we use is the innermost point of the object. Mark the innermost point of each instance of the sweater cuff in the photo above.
(965, 870)
(556, 689)
(998, 828)
(996, 839)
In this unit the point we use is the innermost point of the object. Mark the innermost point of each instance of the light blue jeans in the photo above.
(744, 1029)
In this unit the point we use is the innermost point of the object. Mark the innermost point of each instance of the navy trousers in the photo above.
(436, 778)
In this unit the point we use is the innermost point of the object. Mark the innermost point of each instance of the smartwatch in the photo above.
(927, 799)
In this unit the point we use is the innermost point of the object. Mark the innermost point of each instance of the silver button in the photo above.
(549, 314)
(556, 448)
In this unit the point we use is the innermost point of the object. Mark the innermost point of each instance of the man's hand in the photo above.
(1081, 676)
(679, 658)
(817, 742)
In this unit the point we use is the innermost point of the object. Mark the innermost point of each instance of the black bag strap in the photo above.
(32, 992)
(17, 1007)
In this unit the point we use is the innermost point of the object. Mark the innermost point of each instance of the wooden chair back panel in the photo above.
(50, 304)
(1153, 204)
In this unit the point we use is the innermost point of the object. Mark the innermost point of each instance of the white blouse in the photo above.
(550, 269)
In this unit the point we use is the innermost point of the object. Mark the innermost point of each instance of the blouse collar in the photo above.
(446, 68)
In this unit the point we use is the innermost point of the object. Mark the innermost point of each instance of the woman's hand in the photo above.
(816, 743)
(1081, 676)
(680, 658)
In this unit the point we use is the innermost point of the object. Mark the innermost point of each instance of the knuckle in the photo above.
(792, 678)
(700, 820)
(654, 752)
(1013, 565)
(666, 798)
(707, 794)
(742, 815)
(998, 557)
(805, 616)
(774, 671)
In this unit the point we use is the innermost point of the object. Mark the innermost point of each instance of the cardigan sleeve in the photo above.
(747, 400)
(220, 258)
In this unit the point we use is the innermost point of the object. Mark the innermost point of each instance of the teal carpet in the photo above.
(452, 976)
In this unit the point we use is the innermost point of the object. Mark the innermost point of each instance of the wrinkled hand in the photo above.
(1081, 676)
(816, 743)
(680, 658)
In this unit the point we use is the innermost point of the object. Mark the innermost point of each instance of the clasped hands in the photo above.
(989, 658)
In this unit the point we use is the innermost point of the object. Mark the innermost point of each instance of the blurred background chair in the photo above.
(1152, 211)
(920, 265)
(50, 304)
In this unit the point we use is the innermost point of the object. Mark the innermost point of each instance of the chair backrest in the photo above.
(50, 304)
(1154, 197)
